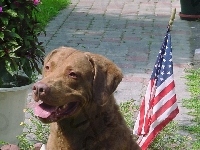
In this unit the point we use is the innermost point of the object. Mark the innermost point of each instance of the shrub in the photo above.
(34, 132)
(20, 51)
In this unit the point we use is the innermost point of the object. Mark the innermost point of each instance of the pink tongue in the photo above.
(43, 110)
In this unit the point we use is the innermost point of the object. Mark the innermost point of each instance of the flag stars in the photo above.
(169, 73)
(161, 79)
(163, 66)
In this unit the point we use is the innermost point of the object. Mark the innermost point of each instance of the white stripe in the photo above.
(136, 126)
(146, 107)
(164, 85)
(164, 100)
(163, 116)
(156, 123)
(147, 97)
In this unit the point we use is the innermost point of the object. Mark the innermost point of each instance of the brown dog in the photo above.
(76, 97)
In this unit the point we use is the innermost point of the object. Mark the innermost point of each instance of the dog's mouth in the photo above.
(54, 113)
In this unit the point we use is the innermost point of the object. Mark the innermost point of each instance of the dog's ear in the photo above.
(107, 76)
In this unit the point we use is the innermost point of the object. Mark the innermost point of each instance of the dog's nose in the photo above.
(39, 90)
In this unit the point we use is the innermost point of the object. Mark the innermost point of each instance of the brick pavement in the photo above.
(130, 33)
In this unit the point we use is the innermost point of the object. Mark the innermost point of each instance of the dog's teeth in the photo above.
(64, 106)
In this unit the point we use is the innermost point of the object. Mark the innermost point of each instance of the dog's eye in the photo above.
(47, 67)
(73, 75)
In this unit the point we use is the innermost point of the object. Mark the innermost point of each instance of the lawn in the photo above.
(193, 104)
(49, 9)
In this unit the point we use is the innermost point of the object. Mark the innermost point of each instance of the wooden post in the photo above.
(172, 18)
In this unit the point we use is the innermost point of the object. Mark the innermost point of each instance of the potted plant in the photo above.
(190, 9)
(20, 57)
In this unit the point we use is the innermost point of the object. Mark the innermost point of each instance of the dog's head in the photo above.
(71, 80)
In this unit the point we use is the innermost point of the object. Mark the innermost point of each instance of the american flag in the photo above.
(159, 105)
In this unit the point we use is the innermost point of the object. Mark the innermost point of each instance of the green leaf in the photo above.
(13, 42)
(27, 69)
(11, 13)
(16, 48)
(27, 43)
(4, 21)
(2, 53)
(5, 76)
(1, 35)
(11, 66)
(13, 34)
(13, 55)
(37, 67)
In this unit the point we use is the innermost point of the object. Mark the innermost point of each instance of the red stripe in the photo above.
(147, 122)
(141, 121)
(164, 92)
(144, 119)
(147, 118)
(158, 128)
(164, 107)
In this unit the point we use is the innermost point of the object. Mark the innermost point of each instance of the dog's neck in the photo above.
(83, 129)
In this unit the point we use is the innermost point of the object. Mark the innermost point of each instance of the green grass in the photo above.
(193, 104)
(49, 9)
(128, 109)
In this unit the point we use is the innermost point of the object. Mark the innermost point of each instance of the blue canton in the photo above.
(164, 66)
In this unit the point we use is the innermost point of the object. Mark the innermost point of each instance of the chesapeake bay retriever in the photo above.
(75, 96)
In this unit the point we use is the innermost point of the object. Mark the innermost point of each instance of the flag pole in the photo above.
(171, 21)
